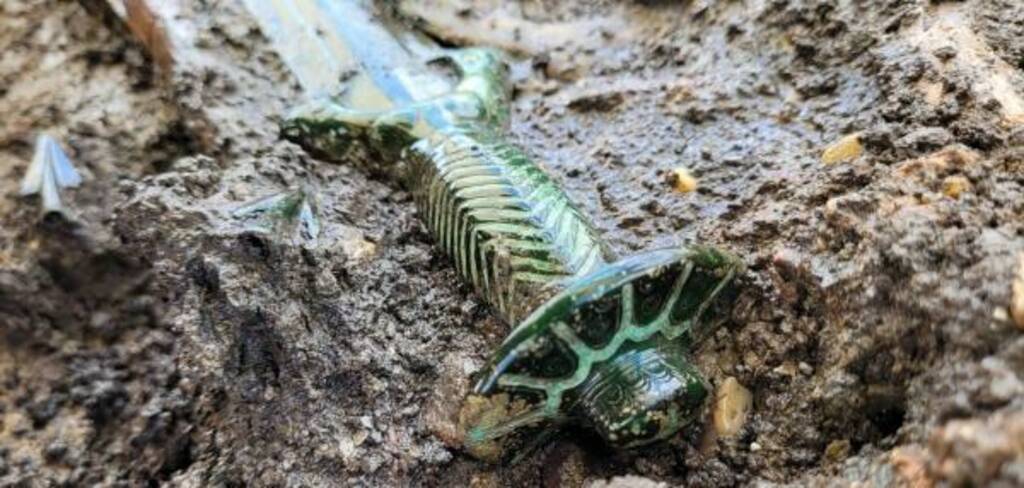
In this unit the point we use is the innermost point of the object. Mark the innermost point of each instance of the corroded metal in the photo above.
(510, 229)
(285, 213)
(50, 170)
(597, 339)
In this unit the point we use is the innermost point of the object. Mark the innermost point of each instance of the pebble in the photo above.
(936, 163)
(787, 368)
(359, 437)
(326, 283)
(596, 101)
(837, 450)
(564, 67)
(628, 481)
(1016, 137)
(484, 480)
(441, 410)
(55, 452)
(732, 406)
(1017, 297)
(358, 249)
(681, 180)
(954, 186)
(945, 53)
(926, 139)
(1004, 385)
(910, 466)
(846, 148)
(976, 452)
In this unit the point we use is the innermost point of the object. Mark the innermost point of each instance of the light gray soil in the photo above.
(155, 339)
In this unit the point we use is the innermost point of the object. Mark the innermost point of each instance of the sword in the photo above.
(597, 340)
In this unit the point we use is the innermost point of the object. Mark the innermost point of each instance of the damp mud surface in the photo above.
(865, 159)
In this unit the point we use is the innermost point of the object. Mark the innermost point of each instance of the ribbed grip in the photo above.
(510, 229)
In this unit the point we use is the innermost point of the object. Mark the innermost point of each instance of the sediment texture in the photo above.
(157, 340)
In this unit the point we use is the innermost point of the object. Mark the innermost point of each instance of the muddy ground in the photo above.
(866, 158)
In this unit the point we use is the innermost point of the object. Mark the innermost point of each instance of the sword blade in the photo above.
(323, 41)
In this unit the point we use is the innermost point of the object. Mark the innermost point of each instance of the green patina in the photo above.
(597, 340)
(283, 213)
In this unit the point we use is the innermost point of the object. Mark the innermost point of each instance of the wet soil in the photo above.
(153, 338)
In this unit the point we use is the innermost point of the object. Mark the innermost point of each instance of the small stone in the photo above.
(628, 481)
(55, 452)
(926, 139)
(359, 437)
(787, 368)
(945, 53)
(1016, 137)
(954, 186)
(806, 369)
(597, 101)
(932, 91)
(681, 180)
(442, 407)
(326, 283)
(1017, 298)
(1004, 385)
(486, 479)
(910, 466)
(678, 94)
(483, 411)
(564, 67)
(944, 160)
(837, 451)
(348, 449)
(755, 447)
(358, 248)
(974, 452)
(846, 148)
(732, 406)
(42, 411)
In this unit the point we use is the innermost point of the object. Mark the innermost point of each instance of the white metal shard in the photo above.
(50, 170)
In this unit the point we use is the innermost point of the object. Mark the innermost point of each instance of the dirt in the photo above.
(153, 338)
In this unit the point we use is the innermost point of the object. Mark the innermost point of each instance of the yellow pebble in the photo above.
(732, 405)
(682, 180)
(954, 185)
(846, 148)
(837, 451)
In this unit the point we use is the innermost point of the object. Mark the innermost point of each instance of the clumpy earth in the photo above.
(866, 159)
